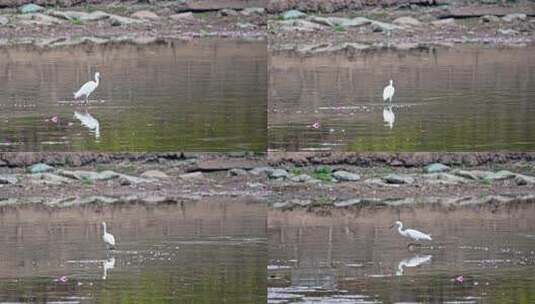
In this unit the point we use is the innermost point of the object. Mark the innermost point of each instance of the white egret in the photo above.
(388, 91)
(412, 234)
(388, 116)
(88, 88)
(414, 261)
(89, 122)
(107, 265)
(108, 238)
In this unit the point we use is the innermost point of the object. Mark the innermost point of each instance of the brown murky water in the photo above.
(204, 252)
(468, 99)
(353, 257)
(208, 95)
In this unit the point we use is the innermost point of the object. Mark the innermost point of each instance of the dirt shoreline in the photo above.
(310, 30)
(311, 181)
(128, 21)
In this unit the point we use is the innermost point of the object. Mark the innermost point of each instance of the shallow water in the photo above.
(205, 252)
(209, 96)
(471, 99)
(353, 257)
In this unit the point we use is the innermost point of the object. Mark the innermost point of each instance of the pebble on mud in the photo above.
(40, 168)
(436, 168)
(344, 176)
(398, 179)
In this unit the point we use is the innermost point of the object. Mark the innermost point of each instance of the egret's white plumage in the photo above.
(388, 116)
(108, 238)
(414, 261)
(88, 88)
(412, 234)
(89, 122)
(107, 265)
(388, 91)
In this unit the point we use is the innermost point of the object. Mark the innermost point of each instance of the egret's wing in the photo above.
(415, 234)
(87, 88)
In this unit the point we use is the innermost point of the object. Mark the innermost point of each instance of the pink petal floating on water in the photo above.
(459, 279)
(316, 125)
(61, 279)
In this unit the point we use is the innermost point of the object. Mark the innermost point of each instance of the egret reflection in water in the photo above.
(107, 265)
(388, 115)
(414, 261)
(89, 122)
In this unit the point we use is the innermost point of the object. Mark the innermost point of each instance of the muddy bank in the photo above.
(134, 22)
(309, 28)
(315, 182)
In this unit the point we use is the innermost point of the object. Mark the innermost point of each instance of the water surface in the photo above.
(353, 257)
(207, 252)
(467, 99)
(199, 96)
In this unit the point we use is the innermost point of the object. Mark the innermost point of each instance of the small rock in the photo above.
(444, 22)
(154, 174)
(147, 15)
(302, 178)
(436, 168)
(279, 174)
(261, 170)
(398, 179)
(379, 182)
(31, 8)
(466, 174)
(38, 19)
(348, 203)
(345, 176)
(282, 205)
(514, 17)
(8, 179)
(407, 21)
(245, 25)
(508, 32)
(260, 11)
(501, 175)
(227, 12)
(300, 203)
(49, 179)
(40, 168)
(523, 180)
(237, 172)
(293, 14)
(444, 179)
(183, 17)
(194, 176)
(378, 26)
(490, 18)
(3, 20)
(119, 20)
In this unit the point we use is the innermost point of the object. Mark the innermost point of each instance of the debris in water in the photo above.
(316, 124)
(61, 279)
(459, 279)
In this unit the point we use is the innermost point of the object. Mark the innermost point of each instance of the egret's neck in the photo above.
(97, 79)
(104, 226)
(400, 227)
